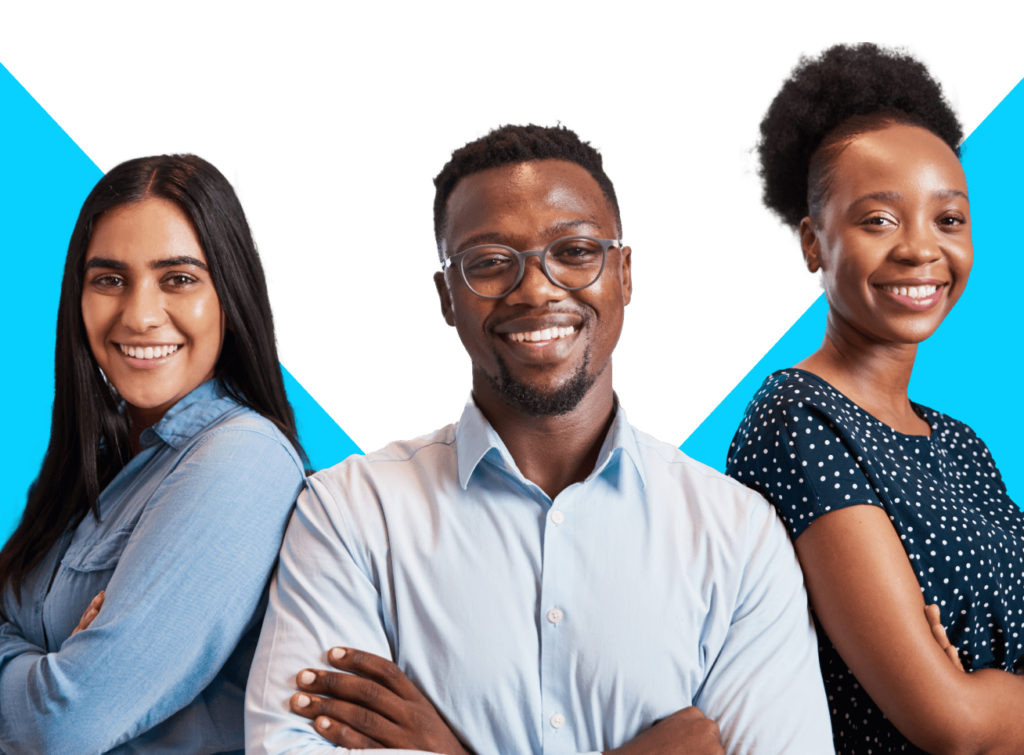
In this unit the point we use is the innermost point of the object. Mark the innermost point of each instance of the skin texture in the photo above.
(897, 212)
(523, 206)
(146, 283)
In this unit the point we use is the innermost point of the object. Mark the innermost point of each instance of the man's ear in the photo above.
(627, 274)
(446, 298)
(810, 244)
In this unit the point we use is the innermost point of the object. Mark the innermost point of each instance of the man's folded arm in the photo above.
(323, 595)
(764, 688)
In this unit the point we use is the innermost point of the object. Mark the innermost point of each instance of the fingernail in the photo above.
(307, 677)
(337, 654)
(302, 701)
(324, 723)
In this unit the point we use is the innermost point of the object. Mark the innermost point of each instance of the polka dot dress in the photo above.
(810, 450)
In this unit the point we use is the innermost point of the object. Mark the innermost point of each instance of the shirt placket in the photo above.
(556, 617)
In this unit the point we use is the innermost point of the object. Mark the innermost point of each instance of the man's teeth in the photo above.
(914, 292)
(147, 352)
(548, 334)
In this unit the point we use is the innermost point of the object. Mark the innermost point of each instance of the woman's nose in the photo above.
(143, 308)
(918, 245)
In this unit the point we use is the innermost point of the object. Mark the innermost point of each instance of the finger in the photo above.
(363, 720)
(353, 689)
(87, 617)
(373, 667)
(935, 621)
(955, 657)
(344, 736)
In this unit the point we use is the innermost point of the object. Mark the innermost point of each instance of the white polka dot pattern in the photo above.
(810, 450)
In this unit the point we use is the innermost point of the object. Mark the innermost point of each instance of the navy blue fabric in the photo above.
(810, 450)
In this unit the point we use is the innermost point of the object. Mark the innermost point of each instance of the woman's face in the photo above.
(893, 240)
(154, 322)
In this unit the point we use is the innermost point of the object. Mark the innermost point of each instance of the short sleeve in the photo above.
(791, 452)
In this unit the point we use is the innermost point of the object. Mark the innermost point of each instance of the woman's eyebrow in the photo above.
(177, 262)
(106, 263)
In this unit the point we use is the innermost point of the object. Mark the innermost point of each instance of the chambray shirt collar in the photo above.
(475, 439)
(204, 404)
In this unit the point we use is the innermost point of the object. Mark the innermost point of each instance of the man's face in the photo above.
(525, 206)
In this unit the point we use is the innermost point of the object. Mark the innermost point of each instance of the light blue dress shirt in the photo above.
(540, 626)
(185, 545)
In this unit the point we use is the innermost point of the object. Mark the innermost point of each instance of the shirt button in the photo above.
(558, 720)
(557, 517)
(555, 616)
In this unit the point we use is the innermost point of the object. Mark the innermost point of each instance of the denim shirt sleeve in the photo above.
(184, 592)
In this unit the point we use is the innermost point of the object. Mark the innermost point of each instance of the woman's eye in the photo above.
(878, 220)
(951, 220)
(180, 280)
(107, 281)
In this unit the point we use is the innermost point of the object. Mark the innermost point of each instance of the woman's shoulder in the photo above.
(794, 388)
(247, 437)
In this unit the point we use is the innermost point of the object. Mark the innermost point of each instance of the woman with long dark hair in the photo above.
(891, 505)
(132, 592)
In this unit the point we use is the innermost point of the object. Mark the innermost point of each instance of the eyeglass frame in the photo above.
(520, 257)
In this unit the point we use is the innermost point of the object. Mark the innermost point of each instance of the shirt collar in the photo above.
(475, 438)
(203, 405)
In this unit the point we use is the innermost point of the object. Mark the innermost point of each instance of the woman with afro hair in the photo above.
(891, 505)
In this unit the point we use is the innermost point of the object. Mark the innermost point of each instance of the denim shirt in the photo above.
(186, 540)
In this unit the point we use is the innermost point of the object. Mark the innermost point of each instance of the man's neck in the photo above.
(552, 451)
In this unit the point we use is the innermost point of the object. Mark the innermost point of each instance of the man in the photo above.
(539, 577)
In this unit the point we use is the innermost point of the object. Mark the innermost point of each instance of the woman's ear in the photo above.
(810, 244)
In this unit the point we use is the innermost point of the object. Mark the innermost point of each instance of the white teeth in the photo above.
(148, 352)
(914, 292)
(548, 334)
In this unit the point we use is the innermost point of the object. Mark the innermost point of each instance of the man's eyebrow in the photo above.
(178, 262)
(495, 237)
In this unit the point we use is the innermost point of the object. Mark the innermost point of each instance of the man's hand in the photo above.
(91, 612)
(374, 706)
(939, 633)
(685, 732)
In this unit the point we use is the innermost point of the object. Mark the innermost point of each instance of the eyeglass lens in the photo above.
(571, 263)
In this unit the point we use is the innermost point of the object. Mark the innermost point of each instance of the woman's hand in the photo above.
(90, 613)
(939, 633)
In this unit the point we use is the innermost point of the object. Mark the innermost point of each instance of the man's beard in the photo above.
(535, 403)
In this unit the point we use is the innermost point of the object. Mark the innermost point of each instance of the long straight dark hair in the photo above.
(89, 433)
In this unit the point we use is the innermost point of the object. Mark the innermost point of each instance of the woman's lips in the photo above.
(150, 356)
(919, 296)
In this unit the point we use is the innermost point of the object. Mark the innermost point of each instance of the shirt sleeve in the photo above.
(792, 453)
(764, 687)
(326, 593)
(184, 592)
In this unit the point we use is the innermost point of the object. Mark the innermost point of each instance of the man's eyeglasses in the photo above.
(493, 271)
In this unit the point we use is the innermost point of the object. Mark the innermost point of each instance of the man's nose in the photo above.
(535, 289)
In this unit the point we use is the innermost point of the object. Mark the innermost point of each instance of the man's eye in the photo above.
(950, 220)
(878, 220)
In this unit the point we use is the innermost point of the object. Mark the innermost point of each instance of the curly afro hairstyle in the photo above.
(826, 102)
(507, 145)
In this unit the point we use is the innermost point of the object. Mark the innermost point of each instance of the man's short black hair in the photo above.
(507, 145)
(859, 87)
